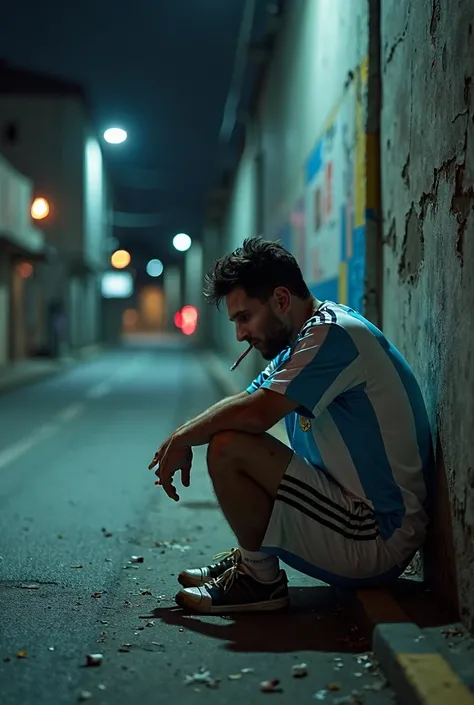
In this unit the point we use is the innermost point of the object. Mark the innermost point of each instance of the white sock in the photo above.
(263, 566)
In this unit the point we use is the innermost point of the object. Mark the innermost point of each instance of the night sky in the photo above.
(159, 68)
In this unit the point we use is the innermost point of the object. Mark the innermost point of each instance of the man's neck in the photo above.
(305, 310)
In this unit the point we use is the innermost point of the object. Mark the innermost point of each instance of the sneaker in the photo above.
(194, 577)
(236, 590)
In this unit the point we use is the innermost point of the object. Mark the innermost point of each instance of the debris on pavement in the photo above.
(77, 566)
(125, 648)
(22, 654)
(30, 586)
(97, 595)
(377, 686)
(247, 670)
(106, 533)
(137, 559)
(333, 687)
(202, 677)
(145, 591)
(84, 695)
(171, 544)
(452, 631)
(94, 659)
(355, 698)
(101, 686)
(271, 686)
(235, 676)
(299, 670)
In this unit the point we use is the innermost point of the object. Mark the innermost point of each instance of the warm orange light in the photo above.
(120, 259)
(39, 208)
(25, 270)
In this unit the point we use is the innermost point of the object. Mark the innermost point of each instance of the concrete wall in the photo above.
(428, 198)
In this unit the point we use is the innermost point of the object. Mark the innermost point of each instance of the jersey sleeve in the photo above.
(262, 377)
(323, 364)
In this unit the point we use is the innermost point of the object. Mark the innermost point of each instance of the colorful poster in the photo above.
(330, 204)
(326, 229)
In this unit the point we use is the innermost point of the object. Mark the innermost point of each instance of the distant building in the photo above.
(46, 133)
(22, 246)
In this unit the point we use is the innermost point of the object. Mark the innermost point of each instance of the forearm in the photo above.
(234, 413)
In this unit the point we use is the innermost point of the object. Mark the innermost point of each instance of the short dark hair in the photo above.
(259, 267)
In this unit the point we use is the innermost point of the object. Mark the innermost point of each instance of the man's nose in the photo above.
(241, 333)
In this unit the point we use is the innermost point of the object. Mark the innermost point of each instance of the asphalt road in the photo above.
(77, 502)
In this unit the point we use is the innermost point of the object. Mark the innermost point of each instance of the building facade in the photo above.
(46, 134)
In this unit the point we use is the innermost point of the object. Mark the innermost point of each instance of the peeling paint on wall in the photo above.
(413, 246)
(427, 153)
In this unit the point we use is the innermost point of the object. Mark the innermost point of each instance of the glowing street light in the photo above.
(182, 242)
(154, 268)
(39, 208)
(120, 259)
(115, 135)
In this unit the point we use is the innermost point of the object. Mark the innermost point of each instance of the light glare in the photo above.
(182, 242)
(154, 268)
(120, 259)
(39, 208)
(115, 135)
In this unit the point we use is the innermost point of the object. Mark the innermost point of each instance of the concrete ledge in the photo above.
(371, 607)
(415, 669)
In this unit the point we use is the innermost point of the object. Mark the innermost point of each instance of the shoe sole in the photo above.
(270, 606)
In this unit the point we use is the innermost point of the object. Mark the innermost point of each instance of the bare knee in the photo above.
(223, 449)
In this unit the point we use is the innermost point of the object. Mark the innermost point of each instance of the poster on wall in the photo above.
(326, 228)
(329, 201)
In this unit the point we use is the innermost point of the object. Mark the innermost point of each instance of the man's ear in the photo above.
(282, 298)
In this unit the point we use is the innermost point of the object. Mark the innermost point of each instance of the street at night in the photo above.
(79, 507)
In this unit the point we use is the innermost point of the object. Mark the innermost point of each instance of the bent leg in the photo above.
(322, 530)
(246, 471)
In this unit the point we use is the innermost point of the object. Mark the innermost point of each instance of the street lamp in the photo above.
(182, 242)
(115, 135)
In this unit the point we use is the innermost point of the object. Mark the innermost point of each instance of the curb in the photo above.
(419, 674)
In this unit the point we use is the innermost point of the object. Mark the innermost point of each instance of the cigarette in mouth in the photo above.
(239, 359)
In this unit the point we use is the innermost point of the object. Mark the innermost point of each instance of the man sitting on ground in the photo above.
(348, 502)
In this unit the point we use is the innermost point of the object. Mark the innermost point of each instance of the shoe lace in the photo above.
(233, 553)
(228, 577)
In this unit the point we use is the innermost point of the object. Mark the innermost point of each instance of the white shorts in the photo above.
(320, 529)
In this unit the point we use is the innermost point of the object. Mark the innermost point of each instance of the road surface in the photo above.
(77, 502)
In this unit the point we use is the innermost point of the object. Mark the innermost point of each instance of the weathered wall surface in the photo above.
(427, 151)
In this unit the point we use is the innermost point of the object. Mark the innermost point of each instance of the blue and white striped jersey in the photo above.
(361, 418)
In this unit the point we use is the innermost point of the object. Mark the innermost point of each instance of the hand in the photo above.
(169, 458)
